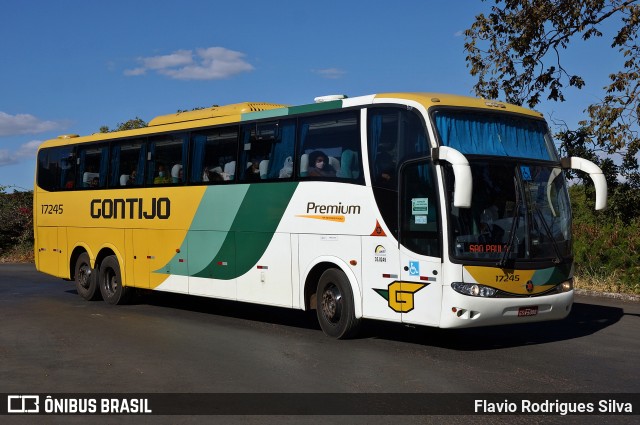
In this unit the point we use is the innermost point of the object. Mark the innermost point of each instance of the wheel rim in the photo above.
(110, 281)
(84, 276)
(331, 303)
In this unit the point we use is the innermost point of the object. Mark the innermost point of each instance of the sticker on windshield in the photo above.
(420, 206)
(421, 219)
(526, 173)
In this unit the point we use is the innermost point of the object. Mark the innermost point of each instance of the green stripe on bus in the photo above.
(315, 107)
(271, 113)
(242, 219)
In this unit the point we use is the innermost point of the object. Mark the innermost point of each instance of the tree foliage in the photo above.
(127, 125)
(517, 49)
(16, 221)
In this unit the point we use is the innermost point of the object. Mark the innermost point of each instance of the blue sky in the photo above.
(74, 66)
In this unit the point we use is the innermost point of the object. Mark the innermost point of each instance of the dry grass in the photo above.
(609, 283)
(18, 255)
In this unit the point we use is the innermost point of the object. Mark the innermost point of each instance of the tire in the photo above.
(335, 308)
(86, 278)
(110, 282)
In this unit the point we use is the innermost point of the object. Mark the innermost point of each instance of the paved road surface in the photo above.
(52, 341)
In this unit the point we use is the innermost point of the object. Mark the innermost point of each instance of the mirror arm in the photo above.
(596, 174)
(461, 171)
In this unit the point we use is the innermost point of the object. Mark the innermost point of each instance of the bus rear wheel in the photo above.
(335, 306)
(110, 282)
(86, 278)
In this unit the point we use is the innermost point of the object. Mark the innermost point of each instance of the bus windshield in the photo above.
(519, 212)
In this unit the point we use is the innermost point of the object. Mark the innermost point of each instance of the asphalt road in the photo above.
(53, 341)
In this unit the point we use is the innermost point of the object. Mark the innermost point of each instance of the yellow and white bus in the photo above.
(419, 208)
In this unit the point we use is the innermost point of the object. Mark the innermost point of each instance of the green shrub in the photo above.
(16, 224)
(606, 246)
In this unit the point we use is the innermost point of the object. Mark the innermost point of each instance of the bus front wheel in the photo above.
(335, 308)
(110, 280)
(86, 278)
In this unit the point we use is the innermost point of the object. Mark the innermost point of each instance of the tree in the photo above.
(516, 50)
(127, 125)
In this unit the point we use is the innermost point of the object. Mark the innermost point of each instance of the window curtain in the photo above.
(115, 166)
(493, 135)
(375, 124)
(199, 149)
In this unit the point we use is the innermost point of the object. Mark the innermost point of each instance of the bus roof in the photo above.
(238, 112)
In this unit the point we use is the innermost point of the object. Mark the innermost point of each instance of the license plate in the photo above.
(528, 311)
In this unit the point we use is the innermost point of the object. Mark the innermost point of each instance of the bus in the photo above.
(418, 208)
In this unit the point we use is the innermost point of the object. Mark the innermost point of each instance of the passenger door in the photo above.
(419, 292)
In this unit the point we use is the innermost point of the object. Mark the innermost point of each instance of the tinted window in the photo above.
(395, 135)
(166, 165)
(56, 168)
(127, 163)
(330, 147)
(213, 155)
(420, 231)
(93, 166)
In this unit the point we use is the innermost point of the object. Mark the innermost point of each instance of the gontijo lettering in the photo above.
(131, 208)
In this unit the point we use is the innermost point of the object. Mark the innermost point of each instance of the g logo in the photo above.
(400, 295)
(529, 286)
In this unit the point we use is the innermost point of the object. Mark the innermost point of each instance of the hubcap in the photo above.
(110, 281)
(84, 274)
(332, 304)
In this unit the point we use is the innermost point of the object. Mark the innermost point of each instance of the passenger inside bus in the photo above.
(176, 173)
(385, 170)
(253, 170)
(319, 165)
(214, 175)
(162, 177)
(131, 181)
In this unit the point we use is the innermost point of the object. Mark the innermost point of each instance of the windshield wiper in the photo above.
(558, 258)
(514, 224)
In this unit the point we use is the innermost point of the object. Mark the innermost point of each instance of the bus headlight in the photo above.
(566, 286)
(473, 289)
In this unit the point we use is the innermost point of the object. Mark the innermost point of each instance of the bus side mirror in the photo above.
(596, 174)
(461, 172)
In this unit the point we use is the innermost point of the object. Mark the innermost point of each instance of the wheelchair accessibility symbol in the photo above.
(414, 268)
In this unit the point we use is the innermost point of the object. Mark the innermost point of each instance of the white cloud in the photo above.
(134, 72)
(174, 60)
(330, 73)
(11, 125)
(27, 150)
(212, 63)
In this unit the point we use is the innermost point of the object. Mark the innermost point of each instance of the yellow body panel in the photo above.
(141, 245)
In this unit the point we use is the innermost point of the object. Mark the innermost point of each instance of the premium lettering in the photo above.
(131, 208)
(313, 208)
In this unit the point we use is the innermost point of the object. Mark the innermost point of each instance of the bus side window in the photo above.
(167, 154)
(127, 163)
(93, 166)
(267, 150)
(330, 147)
(213, 155)
(56, 168)
(394, 136)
